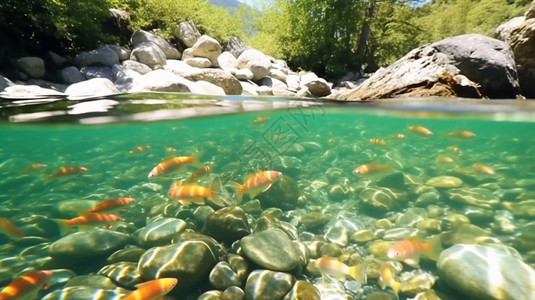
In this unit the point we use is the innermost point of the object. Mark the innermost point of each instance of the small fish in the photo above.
(398, 136)
(202, 171)
(111, 205)
(34, 167)
(8, 228)
(339, 270)
(256, 183)
(194, 193)
(420, 130)
(370, 168)
(455, 149)
(175, 163)
(153, 289)
(26, 286)
(139, 149)
(410, 250)
(379, 142)
(386, 278)
(67, 171)
(464, 134)
(260, 120)
(441, 159)
(86, 221)
(483, 168)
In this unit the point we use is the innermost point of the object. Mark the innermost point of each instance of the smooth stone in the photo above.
(222, 276)
(187, 33)
(479, 197)
(484, 272)
(210, 295)
(227, 224)
(92, 88)
(271, 249)
(32, 66)
(478, 215)
(283, 194)
(244, 74)
(314, 220)
(363, 236)
(396, 234)
(444, 182)
(128, 254)
(227, 62)
(452, 221)
(198, 62)
(268, 285)
(255, 61)
(465, 234)
(221, 78)
(330, 250)
(431, 226)
(207, 47)
(150, 54)
(417, 283)
(239, 265)
(103, 56)
(202, 212)
(381, 199)
(159, 232)
(124, 273)
(525, 208)
(190, 260)
(71, 75)
(383, 224)
(124, 77)
(90, 243)
(161, 81)
(140, 36)
(427, 198)
(86, 292)
(233, 293)
(136, 66)
(318, 87)
(337, 235)
(303, 290)
(407, 219)
(379, 248)
(252, 207)
(91, 72)
(504, 225)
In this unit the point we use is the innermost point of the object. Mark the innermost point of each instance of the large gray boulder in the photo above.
(92, 88)
(472, 66)
(103, 56)
(223, 79)
(519, 33)
(71, 75)
(4, 83)
(140, 36)
(236, 46)
(255, 61)
(160, 81)
(207, 47)
(149, 54)
(187, 33)
(32, 66)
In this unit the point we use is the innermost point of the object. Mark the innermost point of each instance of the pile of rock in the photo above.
(153, 64)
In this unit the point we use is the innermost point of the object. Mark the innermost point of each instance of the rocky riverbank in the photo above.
(472, 66)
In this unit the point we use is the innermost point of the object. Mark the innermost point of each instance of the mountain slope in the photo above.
(228, 4)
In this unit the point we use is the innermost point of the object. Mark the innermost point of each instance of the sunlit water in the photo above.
(317, 145)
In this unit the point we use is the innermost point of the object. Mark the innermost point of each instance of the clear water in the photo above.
(306, 141)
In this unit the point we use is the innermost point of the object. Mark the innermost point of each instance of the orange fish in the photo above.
(139, 149)
(386, 278)
(152, 290)
(260, 120)
(379, 142)
(483, 169)
(194, 193)
(34, 167)
(256, 183)
(398, 136)
(455, 150)
(410, 250)
(8, 228)
(111, 205)
(86, 221)
(370, 168)
(26, 286)
(420, 130)
(339, 270)
(67, 170)
(464, 134)
(202, 171)
(174, 163)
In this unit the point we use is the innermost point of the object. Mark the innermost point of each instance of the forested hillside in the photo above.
(327, 37)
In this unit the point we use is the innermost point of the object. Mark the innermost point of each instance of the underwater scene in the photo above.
(333, 201)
